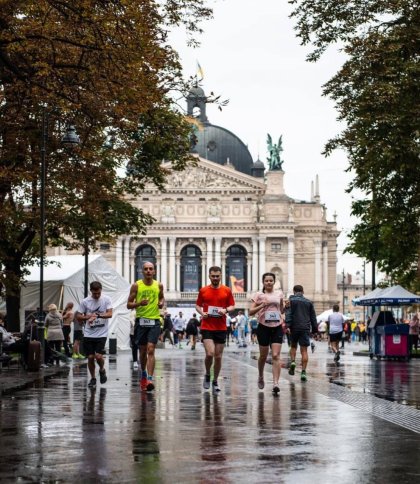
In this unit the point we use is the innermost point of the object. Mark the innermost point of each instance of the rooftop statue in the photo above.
(274, 150)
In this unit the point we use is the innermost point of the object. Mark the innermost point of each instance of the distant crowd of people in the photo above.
(272, 319)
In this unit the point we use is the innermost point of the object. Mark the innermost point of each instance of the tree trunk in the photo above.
(12, 284)
(12, 308)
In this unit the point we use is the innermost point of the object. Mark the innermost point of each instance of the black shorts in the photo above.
(254, 331)
(301, 337)
(336, 336)
(77, 335)
(93, 345)
(219, 337)
(267, 336)
(146, 334)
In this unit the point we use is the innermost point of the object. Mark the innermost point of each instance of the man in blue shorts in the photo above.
(300, 319)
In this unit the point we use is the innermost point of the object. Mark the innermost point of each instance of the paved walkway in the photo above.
(358, 422)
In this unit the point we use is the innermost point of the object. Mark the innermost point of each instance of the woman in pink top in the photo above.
(268, 305)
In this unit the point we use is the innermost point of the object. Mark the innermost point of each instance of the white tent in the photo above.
(324, 316)
(64, 282)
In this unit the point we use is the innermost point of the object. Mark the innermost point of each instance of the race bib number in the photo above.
(272, 316)
(146, 322)
(213, 311)
(98, 323)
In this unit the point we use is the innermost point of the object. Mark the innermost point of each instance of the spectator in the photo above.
(55, 336)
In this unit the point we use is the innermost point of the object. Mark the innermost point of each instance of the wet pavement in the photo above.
(358, 422)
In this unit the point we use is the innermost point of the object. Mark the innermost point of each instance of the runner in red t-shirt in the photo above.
(213, 303)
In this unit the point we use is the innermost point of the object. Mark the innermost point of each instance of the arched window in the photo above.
(144, 253)
(190, 269)
(236, 268)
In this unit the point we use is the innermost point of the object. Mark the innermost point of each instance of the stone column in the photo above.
(164, 261)
(217, 251)
(261, 265)
(172, 263)
(254, 264)
(248, 274)
(209, 242)
(118, 256)
(317, 244)
(290, 264)
(325, 268)
(127, 275)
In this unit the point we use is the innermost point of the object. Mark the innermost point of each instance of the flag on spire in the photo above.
(200, 71)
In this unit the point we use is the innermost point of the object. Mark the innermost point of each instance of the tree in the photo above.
(376, 93)
(105, 66)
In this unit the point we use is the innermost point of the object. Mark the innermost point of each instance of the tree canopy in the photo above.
(376, 92)
(107, 68)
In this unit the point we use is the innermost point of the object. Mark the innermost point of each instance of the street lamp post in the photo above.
(70, 140)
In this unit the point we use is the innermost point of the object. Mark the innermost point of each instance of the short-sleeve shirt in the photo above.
(220, 297)
(99, 327)
(335, 321)
(272, 299)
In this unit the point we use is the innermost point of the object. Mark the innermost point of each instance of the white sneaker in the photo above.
(135, 365)
(215, 388)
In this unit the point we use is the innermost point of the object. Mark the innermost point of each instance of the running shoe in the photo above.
(150, 386)
(102, 376)
(338, 355)
(292, 368)
(276, 390)
(143, 383)
(261, 383)
(215, 388)
(135, 365)
(312, 347)
(81, 357)
(92, 383)
(75, 356)
(303, 376)
(206, 382)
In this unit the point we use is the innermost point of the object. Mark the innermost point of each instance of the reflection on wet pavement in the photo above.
(320, 431)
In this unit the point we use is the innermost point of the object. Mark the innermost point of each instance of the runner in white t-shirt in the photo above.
(335, 330)
(95, 311)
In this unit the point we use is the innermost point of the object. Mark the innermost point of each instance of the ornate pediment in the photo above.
(211, 176)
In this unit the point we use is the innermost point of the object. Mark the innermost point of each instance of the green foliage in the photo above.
(376, 93)
(107, 68)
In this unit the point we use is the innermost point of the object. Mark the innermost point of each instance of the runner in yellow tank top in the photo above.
(146, 297)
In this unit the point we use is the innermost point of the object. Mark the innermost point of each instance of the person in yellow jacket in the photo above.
(146, 297)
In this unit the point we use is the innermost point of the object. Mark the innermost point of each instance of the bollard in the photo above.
(112, 349)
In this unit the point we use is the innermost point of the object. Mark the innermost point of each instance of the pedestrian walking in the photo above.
(179, 326)
(55, 336)
(192, 330)
(335, 329)
(146, 297)
(95, 311)
(241, 323)
(213, 303)
(300, 319)
(133, 346)
(68, 316)
(168, 327)
(268, 306)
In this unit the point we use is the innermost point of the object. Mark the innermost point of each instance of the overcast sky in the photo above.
(250, 55)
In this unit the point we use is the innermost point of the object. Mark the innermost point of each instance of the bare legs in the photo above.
(276, 361)
(147, 358)
(91, 363)
(214, 352)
